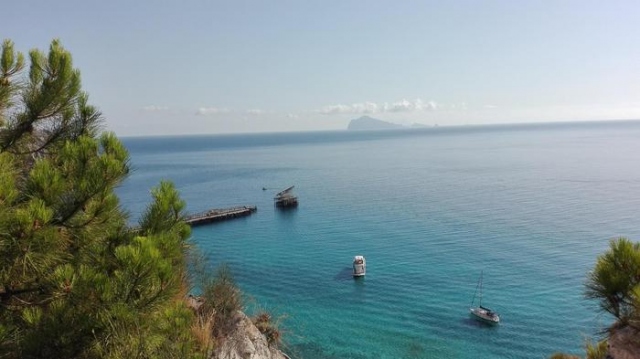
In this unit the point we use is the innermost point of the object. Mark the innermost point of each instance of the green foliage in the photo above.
(223, 298)
(563, 356)
(265, 323)
(166, 213)
(593, 351)
(596, 351)
(615, 281)
(11, 64)
(53, 108)
(75, 280)
(218, 306)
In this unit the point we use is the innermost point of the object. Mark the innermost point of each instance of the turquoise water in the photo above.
(531, 206)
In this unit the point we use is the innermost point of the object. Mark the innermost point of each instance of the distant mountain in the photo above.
(370, 123)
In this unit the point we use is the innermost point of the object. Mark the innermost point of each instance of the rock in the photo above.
(244, 341)
(624, 343)
(194, 302)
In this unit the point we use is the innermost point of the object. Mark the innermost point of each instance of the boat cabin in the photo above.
(485, 314)
(285, 199)
(359, 266)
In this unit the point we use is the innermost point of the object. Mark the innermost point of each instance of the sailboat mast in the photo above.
(481, 273)
(478, 285)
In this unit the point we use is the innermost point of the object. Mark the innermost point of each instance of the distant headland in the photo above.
(370, 123)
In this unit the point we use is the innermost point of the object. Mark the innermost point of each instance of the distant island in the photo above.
(370, 123)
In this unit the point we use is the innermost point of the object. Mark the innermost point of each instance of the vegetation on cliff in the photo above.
(76, 281)
(615, 284)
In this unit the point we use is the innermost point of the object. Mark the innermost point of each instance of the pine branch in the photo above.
(8, 293)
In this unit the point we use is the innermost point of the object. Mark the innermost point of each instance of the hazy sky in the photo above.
(178, 67)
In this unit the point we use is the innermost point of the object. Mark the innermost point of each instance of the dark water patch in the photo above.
(345, 274)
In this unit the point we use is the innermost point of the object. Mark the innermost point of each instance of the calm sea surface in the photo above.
(531, 206)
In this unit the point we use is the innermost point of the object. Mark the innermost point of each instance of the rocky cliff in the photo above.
(624, 344)
(244, 341)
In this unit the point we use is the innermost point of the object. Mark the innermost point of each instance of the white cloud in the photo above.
(292, 116)
(255, 112)
(432, 105)
(490, 106)
(366, 107)
(400, 106)
(152, 108)
(410, 106)
(371, 107)
(356, 108)
(205, 111)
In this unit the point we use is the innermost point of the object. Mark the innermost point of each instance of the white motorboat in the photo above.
(359, 266)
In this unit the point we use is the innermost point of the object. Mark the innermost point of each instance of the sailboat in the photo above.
(481, 313)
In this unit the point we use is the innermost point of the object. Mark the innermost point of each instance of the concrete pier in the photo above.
(217, 215)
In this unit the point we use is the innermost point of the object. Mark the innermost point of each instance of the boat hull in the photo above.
(484, 316)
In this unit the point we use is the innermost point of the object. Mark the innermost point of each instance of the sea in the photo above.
(529, 206)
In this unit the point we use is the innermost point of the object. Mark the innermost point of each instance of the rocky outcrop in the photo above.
(624, 344)
(244, 341)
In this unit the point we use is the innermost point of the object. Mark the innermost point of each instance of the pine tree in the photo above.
(76, 281)
(615, 282)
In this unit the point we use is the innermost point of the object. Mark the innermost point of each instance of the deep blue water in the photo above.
(532, 206)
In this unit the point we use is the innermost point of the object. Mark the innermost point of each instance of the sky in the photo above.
(198, 67)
